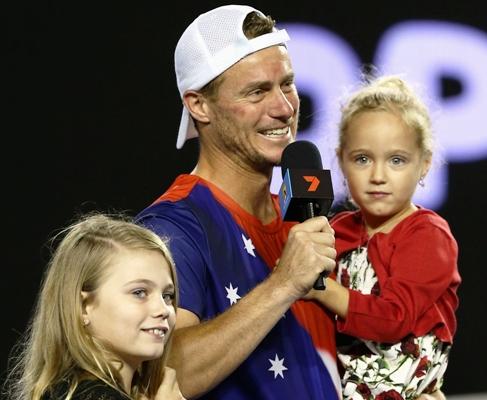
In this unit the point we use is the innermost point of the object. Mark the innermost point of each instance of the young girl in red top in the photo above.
(397, 276)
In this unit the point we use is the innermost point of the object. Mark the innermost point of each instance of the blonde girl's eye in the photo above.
(396, 160)
(168, 298)
(361, 159)
(140, 293)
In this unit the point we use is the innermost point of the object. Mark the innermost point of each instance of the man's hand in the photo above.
(309, 250)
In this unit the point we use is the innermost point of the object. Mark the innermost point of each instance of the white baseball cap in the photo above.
(210, 45)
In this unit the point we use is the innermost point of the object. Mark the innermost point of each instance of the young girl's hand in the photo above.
(438, 395)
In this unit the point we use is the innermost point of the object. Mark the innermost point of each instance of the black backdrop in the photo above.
(91, 123)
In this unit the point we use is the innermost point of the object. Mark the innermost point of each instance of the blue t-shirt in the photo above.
(221, 253)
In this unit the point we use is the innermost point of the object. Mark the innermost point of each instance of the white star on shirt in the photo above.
(277, 367)
(232, 294)
(249, 246)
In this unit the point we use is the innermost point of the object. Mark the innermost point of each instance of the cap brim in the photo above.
(187, 130)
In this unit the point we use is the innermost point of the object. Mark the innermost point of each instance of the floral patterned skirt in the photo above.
(395, 371)
(382, 371)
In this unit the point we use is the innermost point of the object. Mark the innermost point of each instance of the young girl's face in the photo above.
(382, 163)
(132, 310)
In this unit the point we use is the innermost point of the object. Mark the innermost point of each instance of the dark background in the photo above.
(91, 121)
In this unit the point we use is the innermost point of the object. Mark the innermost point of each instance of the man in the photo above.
(242, 332)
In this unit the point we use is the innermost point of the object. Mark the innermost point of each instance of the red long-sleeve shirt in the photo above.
(416, 266)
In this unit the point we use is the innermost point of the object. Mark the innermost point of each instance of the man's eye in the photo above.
(256, 93)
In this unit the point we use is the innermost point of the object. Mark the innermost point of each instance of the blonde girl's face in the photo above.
(132, 310)
(382, 163)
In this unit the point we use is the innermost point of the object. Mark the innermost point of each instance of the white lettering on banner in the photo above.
(423, 52)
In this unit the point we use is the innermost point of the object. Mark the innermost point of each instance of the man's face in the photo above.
(255, 112)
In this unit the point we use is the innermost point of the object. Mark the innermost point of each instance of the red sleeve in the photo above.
(415, 274)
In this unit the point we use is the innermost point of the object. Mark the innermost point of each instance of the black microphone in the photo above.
(306, 189)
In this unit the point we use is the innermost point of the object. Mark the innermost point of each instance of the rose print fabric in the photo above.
(381, 371)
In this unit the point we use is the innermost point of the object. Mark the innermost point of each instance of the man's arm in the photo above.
(206, 353)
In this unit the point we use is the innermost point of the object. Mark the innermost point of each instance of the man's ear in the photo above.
(197, 106)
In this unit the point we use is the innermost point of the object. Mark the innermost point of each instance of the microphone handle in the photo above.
(320, 281)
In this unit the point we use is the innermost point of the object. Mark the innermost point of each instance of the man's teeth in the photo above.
(277, 132)
(157, 332)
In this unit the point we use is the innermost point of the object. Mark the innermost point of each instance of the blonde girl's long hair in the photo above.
(55, 346)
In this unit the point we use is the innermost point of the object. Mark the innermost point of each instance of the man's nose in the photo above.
(281, 106)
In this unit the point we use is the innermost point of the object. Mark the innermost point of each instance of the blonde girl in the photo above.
(104, 317)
